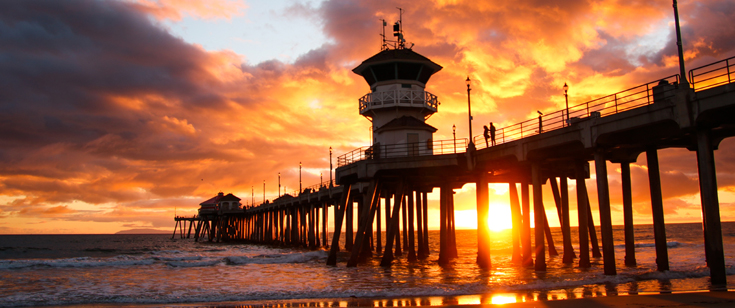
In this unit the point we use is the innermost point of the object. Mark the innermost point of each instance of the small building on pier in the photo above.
(219, 204)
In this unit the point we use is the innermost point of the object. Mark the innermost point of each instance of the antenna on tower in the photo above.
(384, 46)
(398, 31)
(400, 42)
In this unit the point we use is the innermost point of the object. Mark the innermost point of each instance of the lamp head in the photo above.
(468, 81)
(566, 87)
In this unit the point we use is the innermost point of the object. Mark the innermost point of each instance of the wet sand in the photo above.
(694, 299)
(715, 299)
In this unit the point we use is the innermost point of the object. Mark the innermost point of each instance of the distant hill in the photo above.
(143, 231)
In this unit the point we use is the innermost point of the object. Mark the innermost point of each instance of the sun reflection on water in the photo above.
(498, 299)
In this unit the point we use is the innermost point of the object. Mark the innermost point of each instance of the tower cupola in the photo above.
(398, 104)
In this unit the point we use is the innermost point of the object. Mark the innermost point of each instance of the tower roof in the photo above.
(394, 64)
(406, 122)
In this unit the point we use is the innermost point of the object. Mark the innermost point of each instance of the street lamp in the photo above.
(299, 177)
(330, 166)
(566, 99)
(454, 137)
(279, 184)
(469, 110)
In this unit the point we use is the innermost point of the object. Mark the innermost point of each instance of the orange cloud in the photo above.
(134, 123)
(207, 9)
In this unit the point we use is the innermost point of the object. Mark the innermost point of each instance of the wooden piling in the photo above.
(603, 197)
(657, 210)
(711, 224)
(426, 224)
(515, 213)
(582, 213)
(411, 236)
(539, 221)
(421, 253)
(392, 230)
(338, 218)
(526, 230)
(483, 230)
(366, 218)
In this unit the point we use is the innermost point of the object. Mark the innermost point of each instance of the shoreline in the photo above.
(702, 298)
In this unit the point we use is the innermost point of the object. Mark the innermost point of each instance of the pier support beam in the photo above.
(421, 253)
(515, 212)
(657, 209)
(582, 210)
(603, 197)
(392, 230)
(628, 214)
(338, 218)
(369, 205)
(538, 215)
(349, 238)
(410, 228)
(710, 208)
(425, 199)
(378, 233)
(483, 230)
(526, 229)
(566, 232)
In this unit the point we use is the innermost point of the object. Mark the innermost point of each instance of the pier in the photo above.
(384, 186)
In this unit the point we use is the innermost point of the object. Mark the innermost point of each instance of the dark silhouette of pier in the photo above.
(389, 182)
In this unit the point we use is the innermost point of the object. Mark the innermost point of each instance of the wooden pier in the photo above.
(389, 183)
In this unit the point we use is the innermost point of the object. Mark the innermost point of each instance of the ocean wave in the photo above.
(277, 259)
(192, 263)
(81, 262)
(184, 258)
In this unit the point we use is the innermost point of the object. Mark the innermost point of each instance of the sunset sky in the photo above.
(114, 115)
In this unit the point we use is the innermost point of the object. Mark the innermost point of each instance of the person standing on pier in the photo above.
(492, 134)
(487, 135)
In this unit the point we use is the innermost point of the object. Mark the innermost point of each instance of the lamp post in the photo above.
(330, 166)
(279, 184)
(299, 177)
(566, 99)
(682, 70)
(252, 195)
(263, 191)
(320, 179)
(454, 137)
(469, 110)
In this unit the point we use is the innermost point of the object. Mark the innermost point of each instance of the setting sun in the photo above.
(499, 217)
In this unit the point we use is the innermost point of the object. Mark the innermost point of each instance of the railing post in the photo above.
(521, 129)
(648, 93)
(727, 64)
(616, 102)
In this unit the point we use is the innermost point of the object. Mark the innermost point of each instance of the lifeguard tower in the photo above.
(398, 105)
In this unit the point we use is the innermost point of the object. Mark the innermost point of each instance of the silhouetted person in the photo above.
(486, 134)
(492, 133)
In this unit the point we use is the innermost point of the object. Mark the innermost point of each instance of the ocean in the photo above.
(44, 270)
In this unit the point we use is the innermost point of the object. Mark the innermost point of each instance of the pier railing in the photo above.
(713, 74)
(607, 105)
(432, 147)
(398, 98)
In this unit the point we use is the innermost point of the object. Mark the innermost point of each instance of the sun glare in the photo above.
(499, 217)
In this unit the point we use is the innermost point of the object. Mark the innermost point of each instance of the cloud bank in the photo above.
(109, 122)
